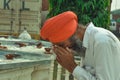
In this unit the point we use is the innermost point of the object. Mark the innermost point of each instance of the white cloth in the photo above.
(102, 57)
(24, 35)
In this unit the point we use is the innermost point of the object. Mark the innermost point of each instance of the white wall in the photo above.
(115, 5)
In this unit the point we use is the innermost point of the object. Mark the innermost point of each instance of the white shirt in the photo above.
(102, 57)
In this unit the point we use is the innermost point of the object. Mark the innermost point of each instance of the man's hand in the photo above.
(65, 58)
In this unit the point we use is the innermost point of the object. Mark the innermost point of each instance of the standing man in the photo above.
(102, 48)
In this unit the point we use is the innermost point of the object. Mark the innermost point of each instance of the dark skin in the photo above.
(64, 55)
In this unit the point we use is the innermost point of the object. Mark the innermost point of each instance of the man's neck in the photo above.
(81, 32)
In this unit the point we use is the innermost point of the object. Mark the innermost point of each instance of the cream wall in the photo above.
(15, 21)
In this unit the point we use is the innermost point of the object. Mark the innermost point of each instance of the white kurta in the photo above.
(102, 57)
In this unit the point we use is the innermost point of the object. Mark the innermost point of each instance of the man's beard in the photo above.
(76, 46)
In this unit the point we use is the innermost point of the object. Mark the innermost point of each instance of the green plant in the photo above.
(118, 20)
(96, 11)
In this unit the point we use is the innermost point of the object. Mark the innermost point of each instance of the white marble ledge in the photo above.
(25, 60)
(23, 63)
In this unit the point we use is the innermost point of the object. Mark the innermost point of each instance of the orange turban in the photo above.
(60, 27)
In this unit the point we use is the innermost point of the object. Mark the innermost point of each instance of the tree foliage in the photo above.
(96, 11)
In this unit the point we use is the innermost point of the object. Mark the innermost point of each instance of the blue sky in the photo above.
(115, 5)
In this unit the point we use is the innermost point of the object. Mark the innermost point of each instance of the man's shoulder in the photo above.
(101, 35)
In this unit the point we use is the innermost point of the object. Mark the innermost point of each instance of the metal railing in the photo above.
(57, 72)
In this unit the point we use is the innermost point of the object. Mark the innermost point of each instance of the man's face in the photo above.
(72, 43)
